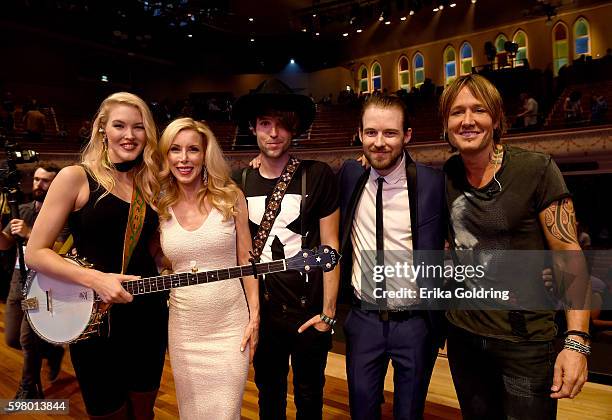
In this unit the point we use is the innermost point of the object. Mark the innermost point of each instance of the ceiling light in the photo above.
(436, 9)
(252, 40)
(388, 22)
(453, 4)
(317, 34)
(359, 31)
(303, 29)
(403, 18)
(314, 15)
(104, 78)
(251, 19)
(473, 1)
(292, 61)
(441, 7)
(381, 17)
(190, 35)
(345, 34)
(411, 12)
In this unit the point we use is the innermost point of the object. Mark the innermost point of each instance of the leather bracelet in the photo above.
(578, 333)
(329, 321)
(576, 346)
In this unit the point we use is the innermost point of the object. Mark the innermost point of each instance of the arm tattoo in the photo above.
(560, 221)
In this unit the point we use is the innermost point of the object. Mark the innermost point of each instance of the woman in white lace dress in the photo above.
(204, 225)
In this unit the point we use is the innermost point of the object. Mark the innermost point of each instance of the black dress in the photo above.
(129, 355)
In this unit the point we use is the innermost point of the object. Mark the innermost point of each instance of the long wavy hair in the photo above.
(222, 192)
(95, 155)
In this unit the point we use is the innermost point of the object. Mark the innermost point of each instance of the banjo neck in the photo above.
(65, 312)
(173, 281)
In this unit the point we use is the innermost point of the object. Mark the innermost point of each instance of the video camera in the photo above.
(15, 155)
(10, 188)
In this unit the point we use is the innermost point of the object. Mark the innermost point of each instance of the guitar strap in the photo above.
(66, 246)
(136, 217)
(272, 210)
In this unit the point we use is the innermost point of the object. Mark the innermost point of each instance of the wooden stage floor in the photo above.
(595, 401)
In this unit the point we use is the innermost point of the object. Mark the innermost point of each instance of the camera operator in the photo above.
(18, 333)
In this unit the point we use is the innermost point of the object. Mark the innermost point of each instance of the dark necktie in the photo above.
(380, 240)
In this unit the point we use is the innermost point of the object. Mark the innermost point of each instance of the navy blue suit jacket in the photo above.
(428, 219)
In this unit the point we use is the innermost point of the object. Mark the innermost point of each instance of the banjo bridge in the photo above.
(30, 304)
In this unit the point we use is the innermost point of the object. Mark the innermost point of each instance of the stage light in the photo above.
(190, 35)
(436, 9)
(388, 22)
(303, 29)
(251, 19)
(411, 12)
(317, 34)
(453, 4)
(403, 18)
(104, 78)
(359, 31)
(292, 61)
(473, 1)
(345, 34)
(441, 7)
(252, 40)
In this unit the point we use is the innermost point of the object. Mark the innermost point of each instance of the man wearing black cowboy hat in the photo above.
(297, 312)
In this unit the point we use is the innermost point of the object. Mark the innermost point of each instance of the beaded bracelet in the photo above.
(576, 346)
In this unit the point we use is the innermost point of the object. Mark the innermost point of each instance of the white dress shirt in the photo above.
(397, 234)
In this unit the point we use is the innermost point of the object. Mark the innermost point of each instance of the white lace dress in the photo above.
(207, 321)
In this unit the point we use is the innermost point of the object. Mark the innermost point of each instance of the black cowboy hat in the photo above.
(272, 94)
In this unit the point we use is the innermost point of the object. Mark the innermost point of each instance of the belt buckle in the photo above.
(383, 315)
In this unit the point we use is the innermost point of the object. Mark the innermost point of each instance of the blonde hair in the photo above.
(95, 156)
(223, 192)
(484, 91)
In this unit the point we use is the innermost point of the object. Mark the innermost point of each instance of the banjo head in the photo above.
(64, 308)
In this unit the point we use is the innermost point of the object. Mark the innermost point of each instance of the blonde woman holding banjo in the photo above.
(107, 203)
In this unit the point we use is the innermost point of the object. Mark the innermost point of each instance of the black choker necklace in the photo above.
(126, 166)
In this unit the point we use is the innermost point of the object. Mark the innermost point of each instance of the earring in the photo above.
(105, 159)
(205, 176)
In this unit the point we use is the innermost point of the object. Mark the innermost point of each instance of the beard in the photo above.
(386, 163)
(39, 195)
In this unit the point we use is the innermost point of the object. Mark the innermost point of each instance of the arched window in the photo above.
(502, 56)
(450, 64)
(466, 58)
(376, 77)
(520, 38)
(560, 47)
(363, 80)
(403, 73)
(418, 63)
(582, 38)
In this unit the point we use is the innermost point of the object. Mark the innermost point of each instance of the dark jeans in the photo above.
(19, 335)
(370, 344)
(279, 339)
(498, 379)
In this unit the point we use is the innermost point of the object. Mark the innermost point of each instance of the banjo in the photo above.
(64, 312)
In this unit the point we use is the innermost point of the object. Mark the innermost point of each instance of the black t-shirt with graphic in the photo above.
(498, 217)
(285, 240)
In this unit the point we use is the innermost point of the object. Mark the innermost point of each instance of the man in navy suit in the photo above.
(392, 213)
